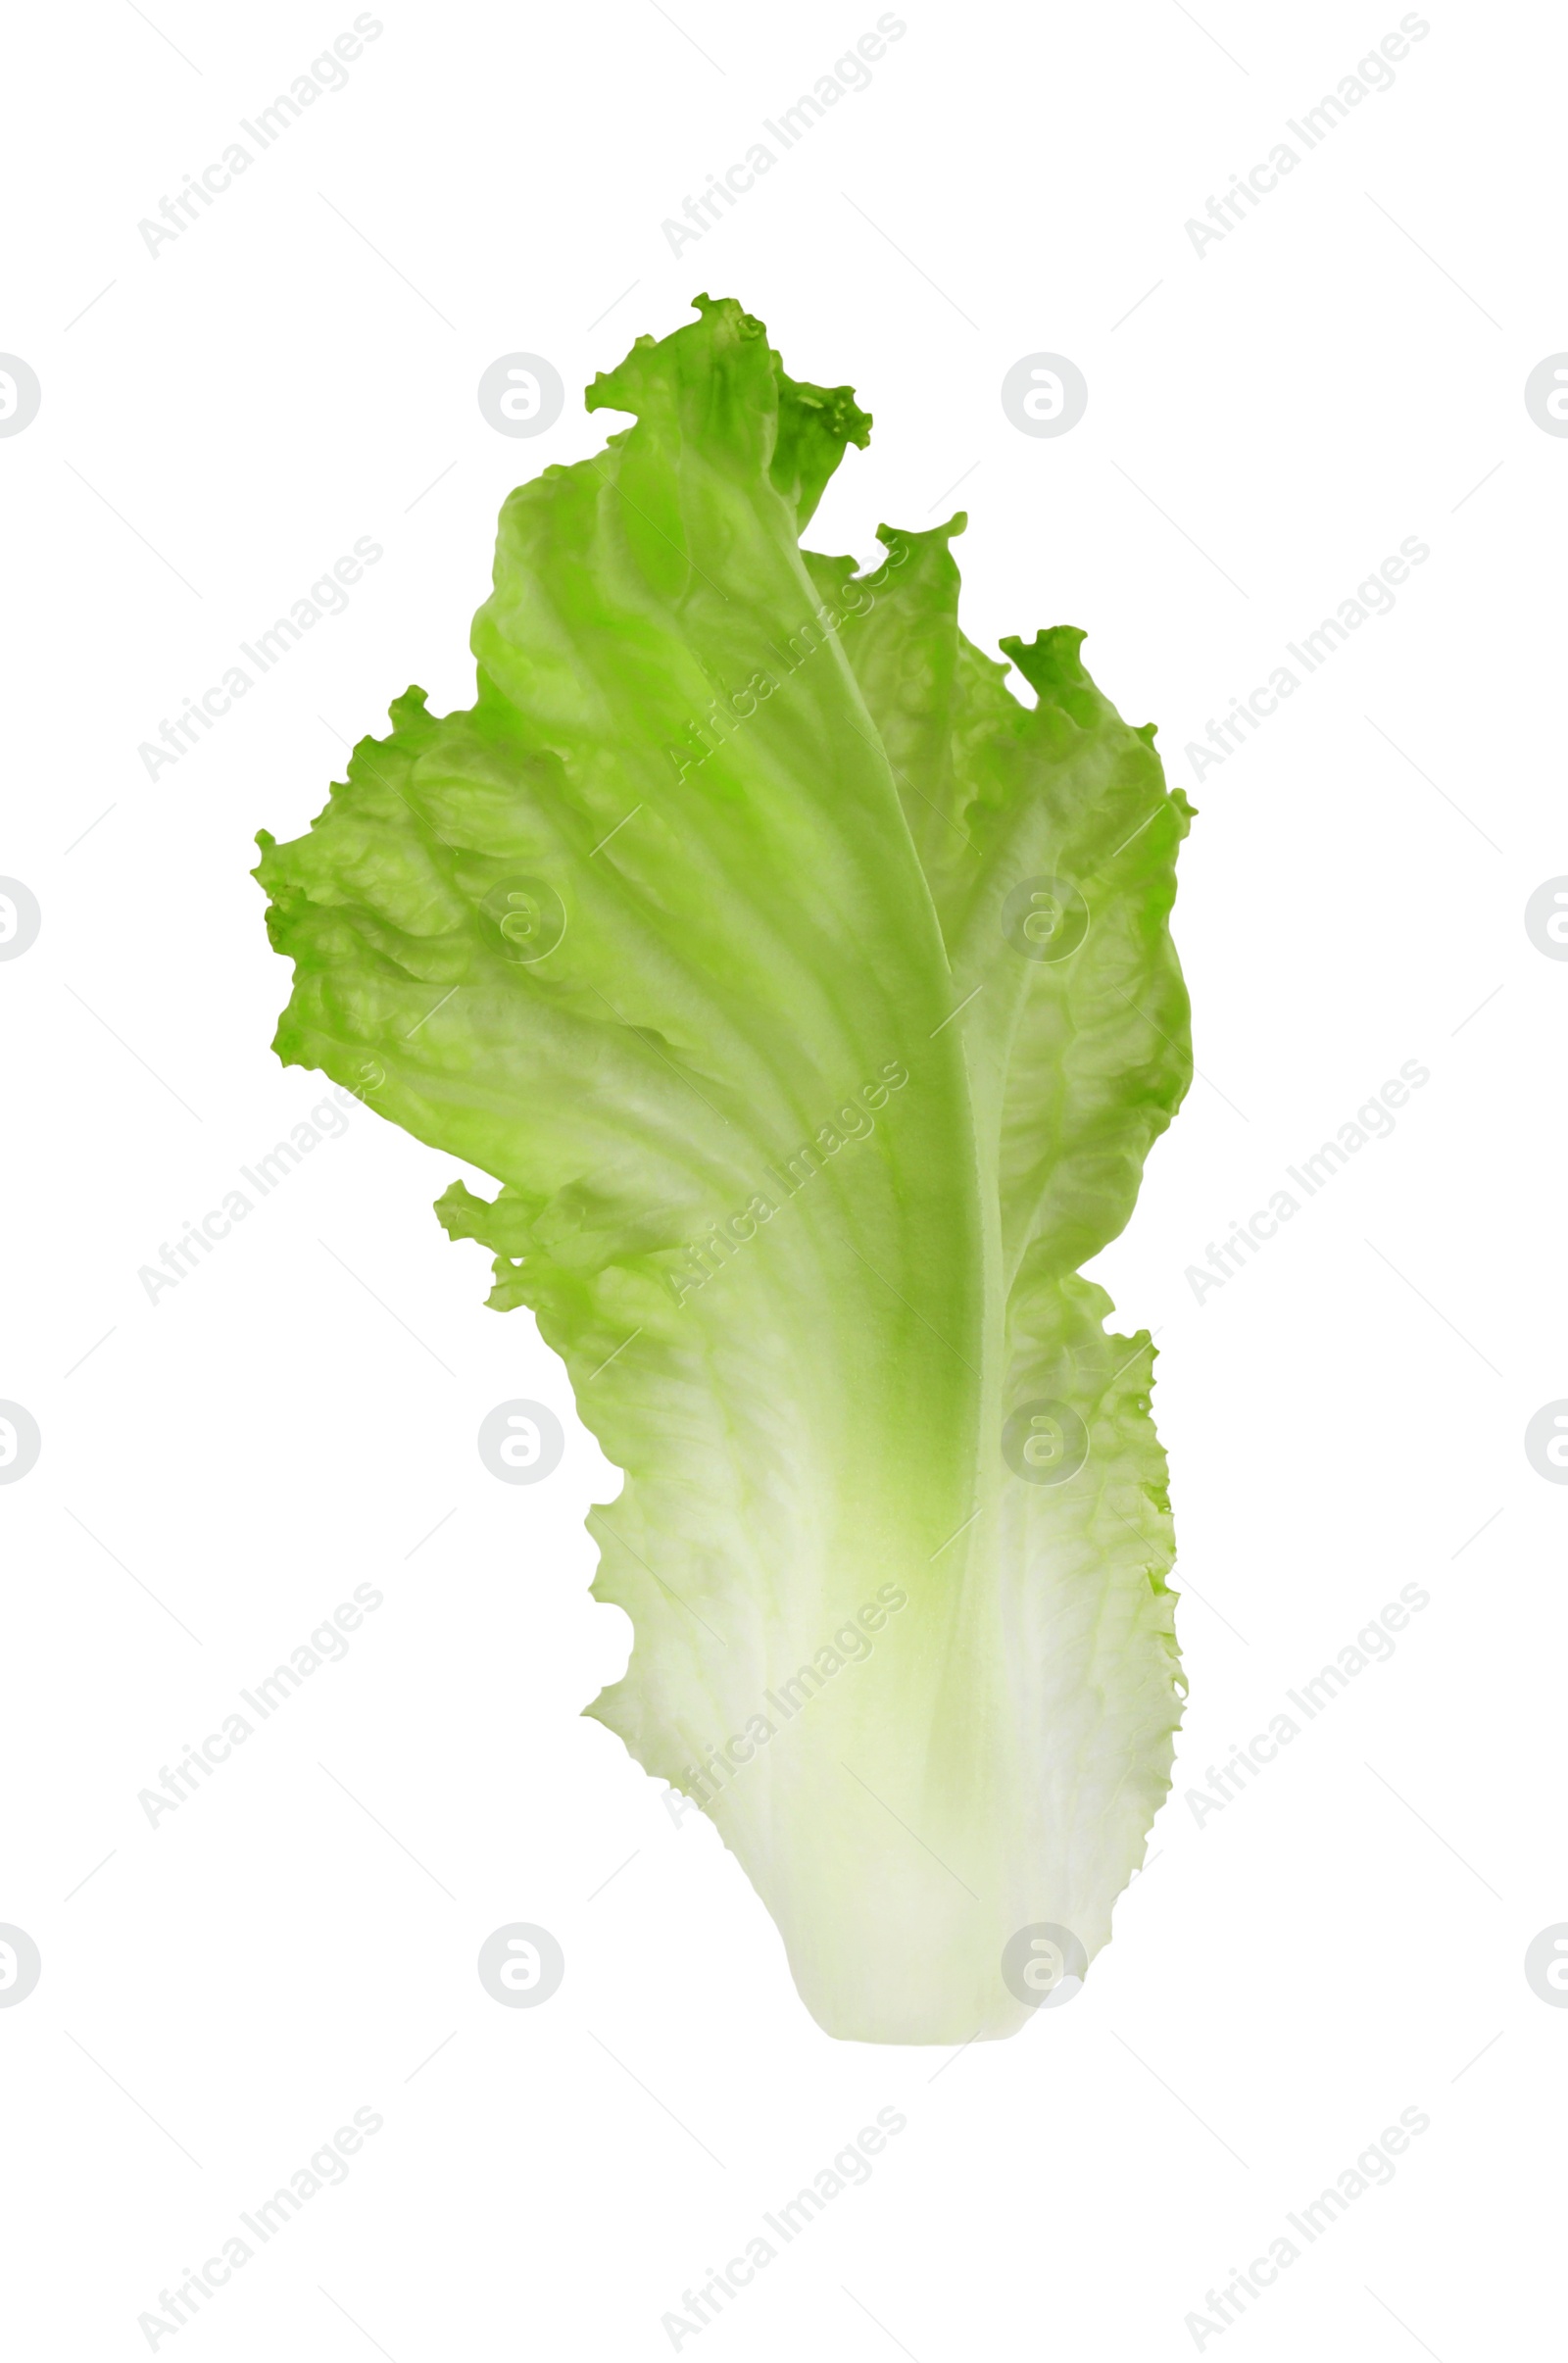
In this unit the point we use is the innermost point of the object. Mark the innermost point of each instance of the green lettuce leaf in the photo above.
(810, 999)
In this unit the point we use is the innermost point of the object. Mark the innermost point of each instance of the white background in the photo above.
(222, 420)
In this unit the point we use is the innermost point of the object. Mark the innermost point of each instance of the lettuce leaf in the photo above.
(811, 999)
